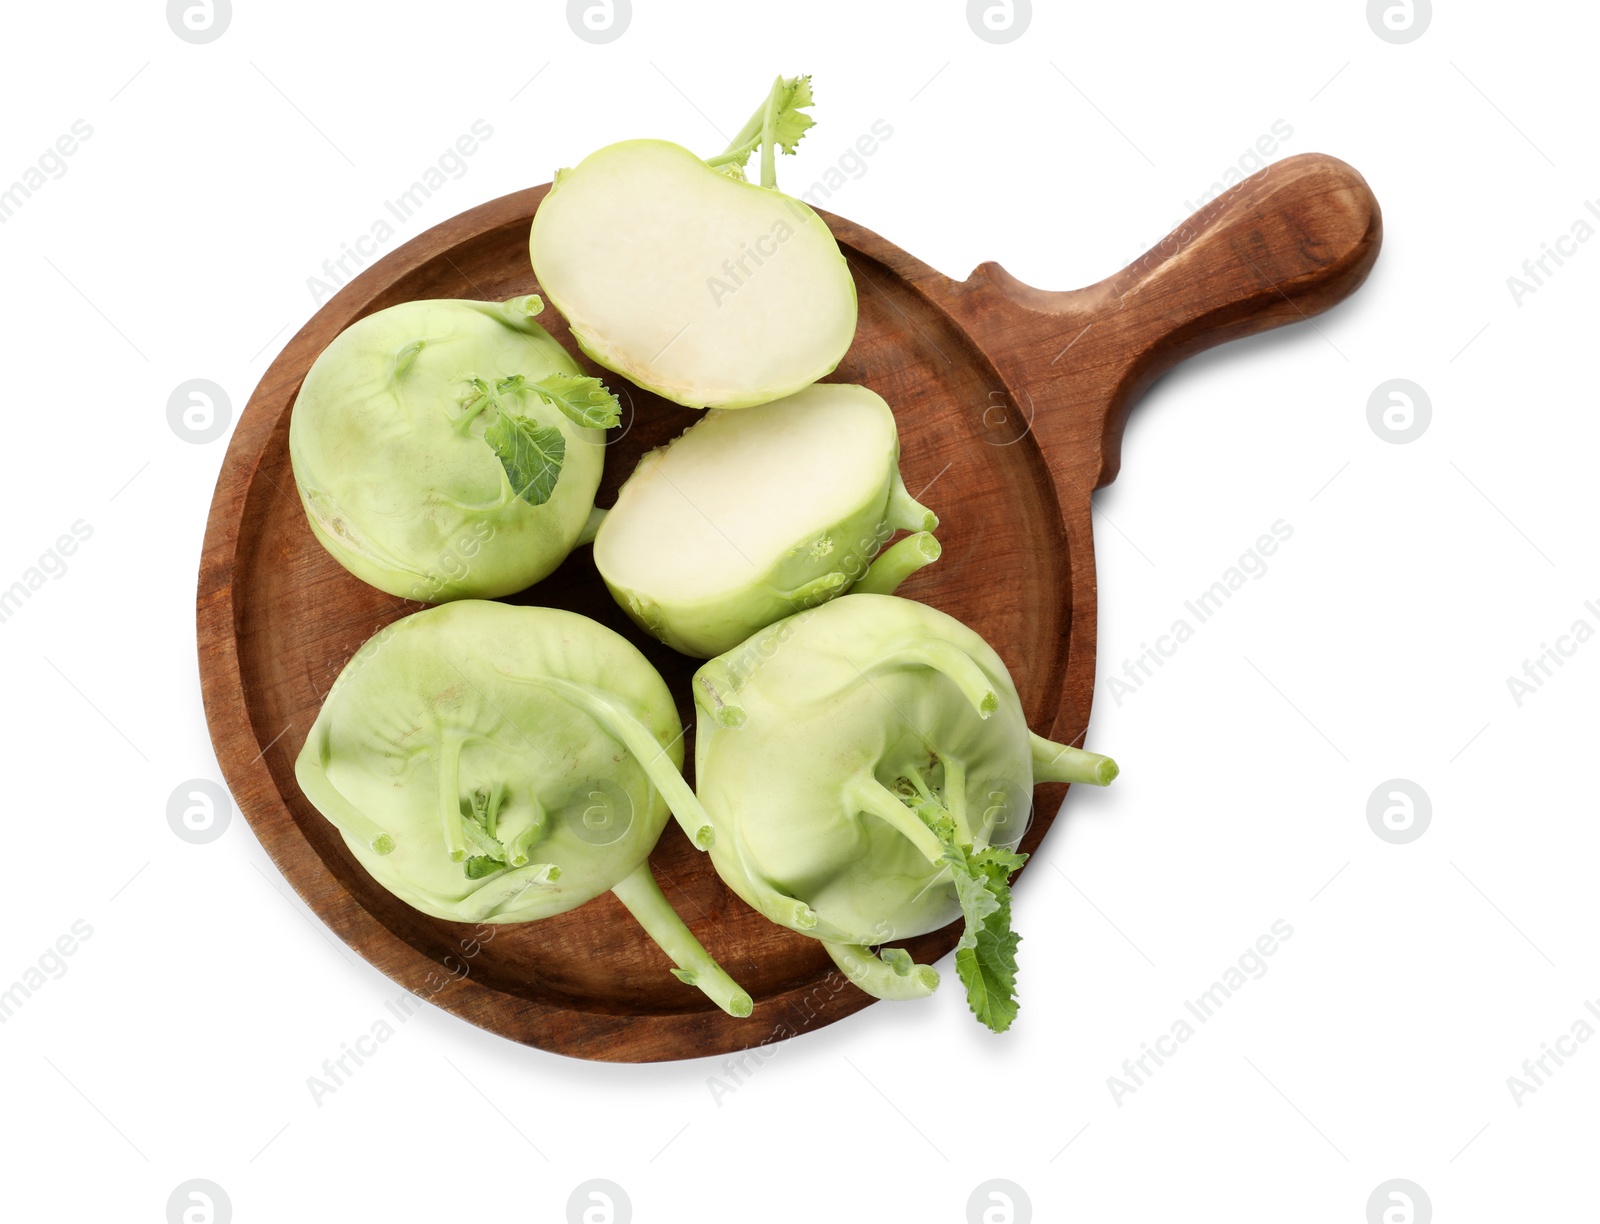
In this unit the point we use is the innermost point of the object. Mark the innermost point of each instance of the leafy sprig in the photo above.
(532, 453)
(779, 123)
(986, 954)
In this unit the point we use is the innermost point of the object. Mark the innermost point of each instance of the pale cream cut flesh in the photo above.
(738, 491)
(707, 290)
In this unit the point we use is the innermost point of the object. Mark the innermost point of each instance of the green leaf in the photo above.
(789, 96)
(531, 454)
(986, 953)
(584, 401)
(794, 93)
(486, 855)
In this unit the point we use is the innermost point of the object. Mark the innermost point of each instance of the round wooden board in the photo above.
(999, 441)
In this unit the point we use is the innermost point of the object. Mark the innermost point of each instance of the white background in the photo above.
(177, 245)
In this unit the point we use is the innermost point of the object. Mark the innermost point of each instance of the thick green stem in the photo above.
(800, 916)
(455, 833)
(755, 130)
(957, 666)
(719, 687)
(920, 785)
(870, 795)
(591, 528)
(1054, 762)
(312, 775)
(955, 798)
(817, 591)
(521, 846)
(906, 512)
(642, 895)
(769, 133)
(404, 358)
(488, 804)
(991, 817)
(739, 147)
(473, 408)
(890, 977)
(898, 563)
(650, 754)
(518, 310)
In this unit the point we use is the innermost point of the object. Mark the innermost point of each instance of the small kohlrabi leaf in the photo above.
(998, 863)
(792, 123)
(531, 454)
(480, 865)
(989, 970)
(788, 97)
(583, 400)
(986, 954)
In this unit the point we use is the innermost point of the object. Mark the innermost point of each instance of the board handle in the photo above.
(1285, 244)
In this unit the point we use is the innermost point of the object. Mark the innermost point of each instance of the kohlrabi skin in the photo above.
(868, 772)
(751, 516)
(675, 272)
(493, 763)
(449, 449)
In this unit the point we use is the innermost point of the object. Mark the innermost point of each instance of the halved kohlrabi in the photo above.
(449, 449)
(493, 763)
(678, 274)
(868, 770)
(750, 516)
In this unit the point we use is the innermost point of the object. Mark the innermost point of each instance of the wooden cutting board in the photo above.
(1010, 402)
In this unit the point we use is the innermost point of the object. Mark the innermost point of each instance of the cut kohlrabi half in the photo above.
(493, 763)
(678, 274)
(750, 516)
(449, 449)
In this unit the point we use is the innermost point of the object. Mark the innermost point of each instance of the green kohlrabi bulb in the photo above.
(493, 763)
(869, 772)
(449, 449)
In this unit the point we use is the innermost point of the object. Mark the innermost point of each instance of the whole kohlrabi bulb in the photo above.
(449, 449)
(493, 763)
(869, 771)
(751, 516)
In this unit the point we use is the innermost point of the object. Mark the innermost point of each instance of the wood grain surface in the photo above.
(1010, 402)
